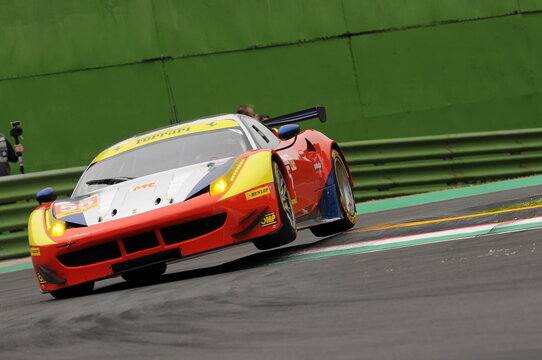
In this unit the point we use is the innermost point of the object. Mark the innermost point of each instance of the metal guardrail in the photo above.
(17, 202)
(397, 167)
(381, 168)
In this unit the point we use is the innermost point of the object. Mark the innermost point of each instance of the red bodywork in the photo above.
(236, 209)
(307, 166)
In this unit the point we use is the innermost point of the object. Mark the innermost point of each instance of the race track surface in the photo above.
(476, 298)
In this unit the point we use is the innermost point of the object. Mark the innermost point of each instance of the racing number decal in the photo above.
(65, 209)
(269, 219)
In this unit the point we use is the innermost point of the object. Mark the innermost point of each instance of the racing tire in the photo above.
(347, 204)
(287, 231)
(145, 274)
(73, 291)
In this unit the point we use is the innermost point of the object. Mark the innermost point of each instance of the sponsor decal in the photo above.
(40, 278)
(269, 219)
(257, 193)
(289, 163)
(144, 186)
(34, 251)
(66, 208)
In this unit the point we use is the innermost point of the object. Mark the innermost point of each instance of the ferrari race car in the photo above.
(187, 189)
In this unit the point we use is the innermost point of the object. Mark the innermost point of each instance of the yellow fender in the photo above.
(256, 171)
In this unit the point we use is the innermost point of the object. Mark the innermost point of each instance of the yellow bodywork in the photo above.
(257, 171)
(37, 235)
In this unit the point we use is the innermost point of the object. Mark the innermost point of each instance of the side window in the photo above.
(273, 139)
(262, 134)
(256, 136)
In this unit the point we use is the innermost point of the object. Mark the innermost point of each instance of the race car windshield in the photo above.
(163, 155)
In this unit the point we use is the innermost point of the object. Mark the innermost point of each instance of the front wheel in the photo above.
(347, 204)
(287, 232)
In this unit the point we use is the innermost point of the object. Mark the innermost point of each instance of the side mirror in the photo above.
(46, 195)
(288, 131)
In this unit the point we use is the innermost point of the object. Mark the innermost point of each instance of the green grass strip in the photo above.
(537, 202)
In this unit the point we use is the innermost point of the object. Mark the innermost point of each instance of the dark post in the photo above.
(16, 132)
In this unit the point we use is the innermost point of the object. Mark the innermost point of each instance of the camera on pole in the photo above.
(16, 132)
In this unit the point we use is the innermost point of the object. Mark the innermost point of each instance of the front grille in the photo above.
(192, 229)
(91, 255)
(140, 242)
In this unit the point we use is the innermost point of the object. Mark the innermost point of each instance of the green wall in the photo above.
(82, 74)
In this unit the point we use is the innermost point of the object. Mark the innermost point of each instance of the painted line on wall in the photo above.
(411, 240)
(426, 198)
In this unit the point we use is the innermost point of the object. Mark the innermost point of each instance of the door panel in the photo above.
(305, 167)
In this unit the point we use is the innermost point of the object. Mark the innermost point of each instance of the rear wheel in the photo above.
(73, 291)
(145, 274)
(347, 204)
(287, 232)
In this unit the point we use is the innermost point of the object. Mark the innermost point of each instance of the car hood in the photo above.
(140, 195)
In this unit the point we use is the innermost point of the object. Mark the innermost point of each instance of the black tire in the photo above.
(347, 204)
(73, 291)
(287, 231)
(145, 274)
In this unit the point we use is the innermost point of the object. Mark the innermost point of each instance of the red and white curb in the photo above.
(413, 240)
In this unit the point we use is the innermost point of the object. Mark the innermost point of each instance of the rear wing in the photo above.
(312, 113)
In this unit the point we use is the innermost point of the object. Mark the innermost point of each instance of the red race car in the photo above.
(186, 189)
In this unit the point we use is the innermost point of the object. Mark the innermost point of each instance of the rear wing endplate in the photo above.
(312, 113)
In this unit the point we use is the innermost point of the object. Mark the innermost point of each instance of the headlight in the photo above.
(222, 183)
(219, 186)
(58, 228)
(55, 227)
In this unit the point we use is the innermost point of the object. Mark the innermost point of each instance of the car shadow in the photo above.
(248, 262)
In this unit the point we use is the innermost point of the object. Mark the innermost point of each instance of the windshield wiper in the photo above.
(109, 181)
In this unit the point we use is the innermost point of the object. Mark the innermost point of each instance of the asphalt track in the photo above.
(476, 298)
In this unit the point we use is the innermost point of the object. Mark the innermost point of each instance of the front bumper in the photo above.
(165, 234)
